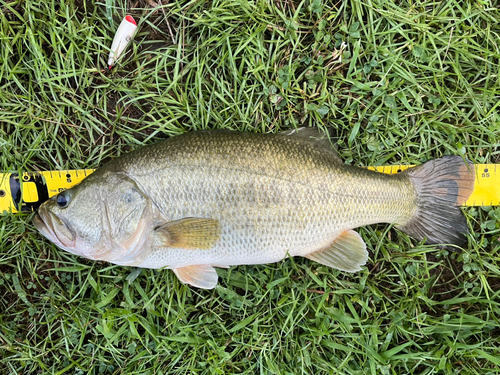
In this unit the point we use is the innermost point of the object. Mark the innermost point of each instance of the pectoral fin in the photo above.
(201, 276)
(191, 233)
(346, 253)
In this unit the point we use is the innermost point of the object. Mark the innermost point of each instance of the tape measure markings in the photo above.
(36, 187)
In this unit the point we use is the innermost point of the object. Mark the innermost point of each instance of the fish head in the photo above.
(106, 217)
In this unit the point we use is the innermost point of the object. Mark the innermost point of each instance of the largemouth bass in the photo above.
(220, 198)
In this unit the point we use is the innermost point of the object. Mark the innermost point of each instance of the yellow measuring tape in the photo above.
(28, 191)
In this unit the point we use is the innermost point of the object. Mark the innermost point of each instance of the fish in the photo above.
(222, 198)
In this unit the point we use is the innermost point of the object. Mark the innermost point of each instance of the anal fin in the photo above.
(201, 276)
(346, 253)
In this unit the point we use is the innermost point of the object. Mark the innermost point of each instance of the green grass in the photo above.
(413, 81)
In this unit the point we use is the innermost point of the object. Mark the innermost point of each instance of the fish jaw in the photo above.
(61, 233)
(45, 223)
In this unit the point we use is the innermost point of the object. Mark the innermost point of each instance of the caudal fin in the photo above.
(442, 185)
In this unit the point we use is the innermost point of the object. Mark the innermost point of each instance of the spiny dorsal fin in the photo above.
(312, 136)
(201, 276)
(191, 233)
(346, 253)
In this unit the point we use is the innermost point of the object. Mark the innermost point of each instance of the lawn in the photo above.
(393, 81)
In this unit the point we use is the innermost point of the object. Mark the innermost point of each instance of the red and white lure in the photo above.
(123, 36)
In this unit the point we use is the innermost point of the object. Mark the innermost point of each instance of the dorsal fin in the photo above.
(312, 136)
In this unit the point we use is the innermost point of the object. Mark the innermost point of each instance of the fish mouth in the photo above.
(46, 222)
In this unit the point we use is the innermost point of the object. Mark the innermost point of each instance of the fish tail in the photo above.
(442, 185)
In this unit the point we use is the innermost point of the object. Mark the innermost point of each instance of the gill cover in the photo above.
(127, 213)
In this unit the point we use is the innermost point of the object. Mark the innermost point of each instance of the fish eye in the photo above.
(62, 199)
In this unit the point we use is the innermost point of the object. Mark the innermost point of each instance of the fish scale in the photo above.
(299, 192)
(221, 198)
